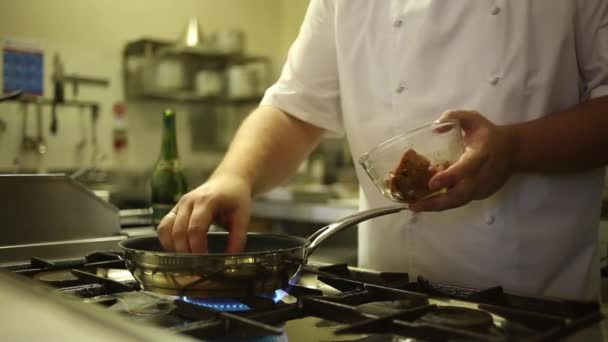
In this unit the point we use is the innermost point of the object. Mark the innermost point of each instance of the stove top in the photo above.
(324, 303)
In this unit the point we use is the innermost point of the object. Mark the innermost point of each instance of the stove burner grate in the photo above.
(369, 303)
(458, 317)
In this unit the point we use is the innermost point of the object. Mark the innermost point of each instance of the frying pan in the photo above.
(268, 262)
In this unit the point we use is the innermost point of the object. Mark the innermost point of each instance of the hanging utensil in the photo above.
(54, 122)
(82, 142)
(11, 96)
(58, 95)
(28, 143)
(96, 155)
(40, 143)
(268, 262)
(8, 96)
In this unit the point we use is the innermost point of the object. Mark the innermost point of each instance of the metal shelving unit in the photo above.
(139, 53)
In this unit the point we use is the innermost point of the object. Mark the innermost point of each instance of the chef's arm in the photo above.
(268, 147)
(572, 140)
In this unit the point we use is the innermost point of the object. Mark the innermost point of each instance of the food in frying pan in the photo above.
(409, 181)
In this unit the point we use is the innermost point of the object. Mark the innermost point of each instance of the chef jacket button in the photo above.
(400, 88)
(398, 22)
(490, 220)
(494, 80)
(495, 10)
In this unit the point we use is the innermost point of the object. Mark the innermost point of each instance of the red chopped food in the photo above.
(409, 181)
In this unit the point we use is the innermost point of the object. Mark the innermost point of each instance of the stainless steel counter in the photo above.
(302, 211)
(310, 212)
(303, 218)
(31, 312)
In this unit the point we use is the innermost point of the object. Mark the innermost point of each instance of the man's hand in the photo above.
(224, 200)
(483, 168)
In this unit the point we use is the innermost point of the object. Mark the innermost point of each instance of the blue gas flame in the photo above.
(219, 304)
(276, 296)
(229, 304)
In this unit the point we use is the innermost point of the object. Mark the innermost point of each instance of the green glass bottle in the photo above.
(168, 182)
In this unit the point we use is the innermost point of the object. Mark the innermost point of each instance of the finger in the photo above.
(467, 165)
(459, 195)
(179, 233)
(467, 118)
(443, 127)
(201, 218)
(164, 231)
(238, 232)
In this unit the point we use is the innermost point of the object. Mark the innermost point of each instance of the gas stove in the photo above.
(324, 303)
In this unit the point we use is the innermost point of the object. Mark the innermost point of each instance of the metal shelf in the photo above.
(21, 97)
(194, 59)
(153, 48)
(150, 47)
(191, 97)
(43, 101)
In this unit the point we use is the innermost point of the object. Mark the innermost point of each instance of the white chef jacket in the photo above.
(375, 69)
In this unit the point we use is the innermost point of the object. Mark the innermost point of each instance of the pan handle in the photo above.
(320, 235)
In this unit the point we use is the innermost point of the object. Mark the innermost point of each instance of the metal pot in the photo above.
(267, 264)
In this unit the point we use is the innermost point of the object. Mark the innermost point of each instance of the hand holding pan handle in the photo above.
(320, 235)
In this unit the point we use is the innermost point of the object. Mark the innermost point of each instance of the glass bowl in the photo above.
(402, 166)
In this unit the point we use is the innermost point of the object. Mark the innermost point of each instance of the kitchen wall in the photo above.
(291, 16)
(90, 36)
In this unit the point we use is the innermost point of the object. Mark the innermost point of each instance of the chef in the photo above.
(528, 81)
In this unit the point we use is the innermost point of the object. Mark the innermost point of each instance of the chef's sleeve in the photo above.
(592, 47)
(308, 87)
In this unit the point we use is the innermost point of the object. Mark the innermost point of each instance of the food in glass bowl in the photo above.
(402, 166)
(409, 180)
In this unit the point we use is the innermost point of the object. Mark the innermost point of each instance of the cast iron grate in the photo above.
(403, 310)
(371, 303)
